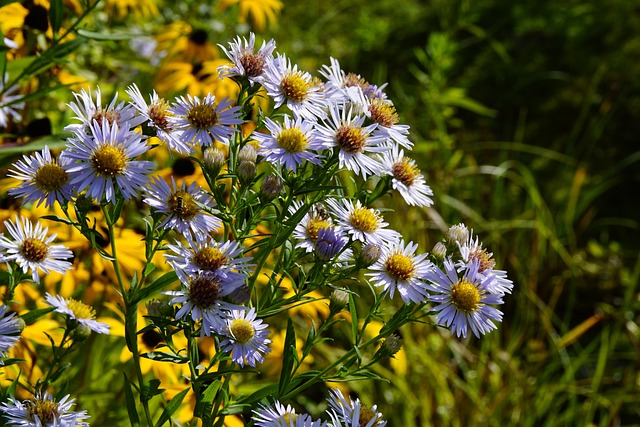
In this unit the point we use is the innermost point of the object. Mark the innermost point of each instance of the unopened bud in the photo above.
(81, 332)
(248, 154)
(213, 160)
(246, 172)
(458, 233)
(271, 188)
(439, 250)
(370, 254)
(157, 308)
(338, 300)
(391, 345)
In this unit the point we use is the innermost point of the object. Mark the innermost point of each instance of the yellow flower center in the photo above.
(182, 205)
(209, 258)
(484, 259)
(202, 116)
(159, 115)
(405, 172)
(292, 140)
(80, 310)
(45, 410)
(242, 330)
(289, 418)
(204, 291)
(50, 177)
(364, 220)
(465, 296)
(383, 113)
(314, 226)
(295, 87)
(366, 415)
(351, 139)
(108, 161)
(34, 250)
(252, 64)
(399, 266)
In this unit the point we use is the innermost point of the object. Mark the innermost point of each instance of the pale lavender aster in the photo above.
(355, 141)
(281, 416)
(10, 328)
(245, 337)
(43, 411)
(285, 84)
(362, 223)
(463, 302)
(201, 122)
(45, 179)
(246, 61)
(399, 269)
(78, 311)
(101, 162)
(182, 207)
(8, 105)
(291, 143)
(406, 178)
(352, 413)
(31, 248)
(157, 116)
(471, 251)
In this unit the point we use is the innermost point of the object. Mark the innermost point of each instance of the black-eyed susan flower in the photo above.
(78, 311)
(258, 12)
(43, 410)
(32, 249)
(406, 178)
(45, 179)
(399, 269)
(463, 302)
(245, 337)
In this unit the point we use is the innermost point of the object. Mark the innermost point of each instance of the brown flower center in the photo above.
(204, 291)
(405, 172)
(34, 250)
(351, 139)
(202, 116)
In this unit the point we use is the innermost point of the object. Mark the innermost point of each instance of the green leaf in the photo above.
(56, 12)
(266, 391)
(172, 407)
(106, 37)
(159, 284)
(160, 356)
(289, 354)
(33, 315)
(131, 403)
(150, 389)
(204, 404)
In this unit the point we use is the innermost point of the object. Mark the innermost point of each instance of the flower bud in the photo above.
(247, 154)
(439, 250)
(81, 332)
(271, 188)
(330, 241)
(458, 233)
(157, 308)
(338, 300)
(370, 254)
(390, 346)
(214, 160)
(246, 172)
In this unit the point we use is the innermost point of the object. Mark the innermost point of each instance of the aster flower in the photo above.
(223, 259)
(471, 251)
(463, 301)
(90, 112)
(204, 121)
(45, 179)
(330, 242)
(157, 116)
(246, 61)
(281, 416)
(346, 131)
(8, 104)
(10, 328)
(307, 229)
(338, 81)
(103, 161)
(245, 337)
(78, 311)
(291, 143)
(182, 208)
(399, 269)
(201, 297)
(297, 89)
(363, 224)
(43, 411)
(407, 178)
(31, 248)
(350, 413)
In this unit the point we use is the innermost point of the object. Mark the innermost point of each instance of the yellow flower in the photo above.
(273, 361)
(138, 8)
(399, 360)
(194, 78)
(259, 12)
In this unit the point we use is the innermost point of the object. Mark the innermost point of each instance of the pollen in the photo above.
(365, 220)
(46, 411)
(295, 87)
(351, 139)
(34, 250)
(204, 291)
(314, 226)
(182, 205)
(367, 415)
(109, 161)
(485, 260)
(242, 330)
(159, 115)
(80, 310)
(209, 258)
(50, 177)
(399, 267)
(383, 113)
(203, 116)
(405, 172)
(465, 296)
(253, 64)
(292, 140)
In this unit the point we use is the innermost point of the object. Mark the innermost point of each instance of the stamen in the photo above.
(292, 140)
(109, 161)
(50, 177)
(182, 205)
(252, 64)
(295, 87)
(363, 219)
(314, 226)
(465, 296)
(383, 113)
(202, 116)
(34, 250)
(45, 410)
(81, 310)
(405, 172)
(399, 266)
(242, 330)
(351, 139)
(204, 291)
(209, 258)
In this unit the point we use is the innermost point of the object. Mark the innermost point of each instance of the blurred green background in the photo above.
(526, 118)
